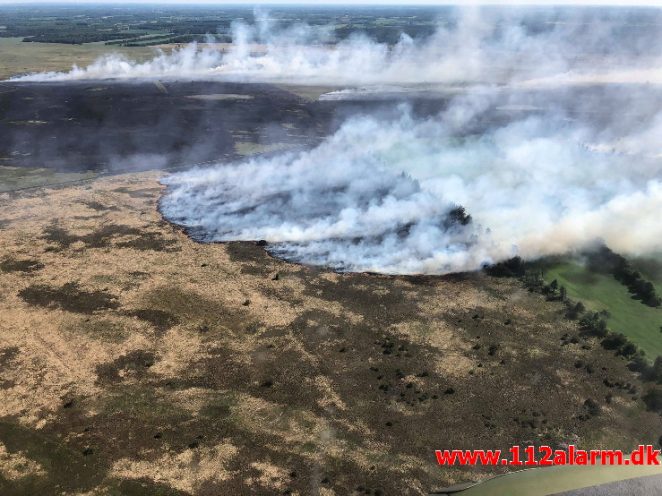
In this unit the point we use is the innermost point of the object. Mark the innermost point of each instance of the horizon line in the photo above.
(344, 3)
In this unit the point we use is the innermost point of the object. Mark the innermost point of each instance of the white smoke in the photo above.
(495, 47)
(376, 195)
(382, 194)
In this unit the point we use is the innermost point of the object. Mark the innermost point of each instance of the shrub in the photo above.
(514, 267)
(592, 407)
(594, 324)
(575, 310)
(653, 400)
(614, 341)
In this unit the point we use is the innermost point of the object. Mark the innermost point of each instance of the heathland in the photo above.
(135, 360)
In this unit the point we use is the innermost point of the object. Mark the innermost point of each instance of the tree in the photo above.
(575, 310)
(594, 324)
(657, 370)
(614, 341)
(653, 399)
(628, 350)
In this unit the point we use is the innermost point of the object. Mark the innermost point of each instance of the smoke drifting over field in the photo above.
(383, 194)
(380, 196)
(472, 45)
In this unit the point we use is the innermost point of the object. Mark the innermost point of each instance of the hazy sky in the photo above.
(657, 3)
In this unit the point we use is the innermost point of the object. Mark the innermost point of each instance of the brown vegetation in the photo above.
(137, 361)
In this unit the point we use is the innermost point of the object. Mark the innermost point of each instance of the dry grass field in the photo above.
(136, 361)
(24, 58)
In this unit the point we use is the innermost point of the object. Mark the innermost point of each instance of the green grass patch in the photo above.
(651, 268)
(598, 292)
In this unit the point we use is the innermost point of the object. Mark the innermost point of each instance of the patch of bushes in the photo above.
(648, 372)
(459, 215)
(653, 400)
(595, 323)
(554, 291)
(515, 267)
(574, 310)
(69, 297)
(620, 344)
(592, 407)
(605, 260)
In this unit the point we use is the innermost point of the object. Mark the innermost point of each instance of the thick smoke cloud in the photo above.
(473, 46)
(376, 196)
(564, 171)
(337, 205)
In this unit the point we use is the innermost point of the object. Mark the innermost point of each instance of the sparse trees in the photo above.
(514, 267)
(592, 323)
(605, 260)
(575, 310)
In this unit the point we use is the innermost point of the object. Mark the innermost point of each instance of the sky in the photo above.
(657, 3)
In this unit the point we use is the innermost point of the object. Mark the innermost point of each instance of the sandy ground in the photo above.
(136, 361)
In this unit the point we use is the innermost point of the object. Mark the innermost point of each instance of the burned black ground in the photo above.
(139, 125)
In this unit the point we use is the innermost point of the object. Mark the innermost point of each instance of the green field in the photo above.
(18, 57)
(651, 269)
(602, 292)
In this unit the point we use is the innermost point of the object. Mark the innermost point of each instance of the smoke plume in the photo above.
(540, 167)
(470, 46)
(383, 196)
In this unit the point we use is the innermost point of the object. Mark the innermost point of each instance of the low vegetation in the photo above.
(167, 366)
(596, 324)
(605, 260)
(601, 292)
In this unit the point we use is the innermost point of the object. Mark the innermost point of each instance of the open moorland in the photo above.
(135, 360)
(127, 25)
